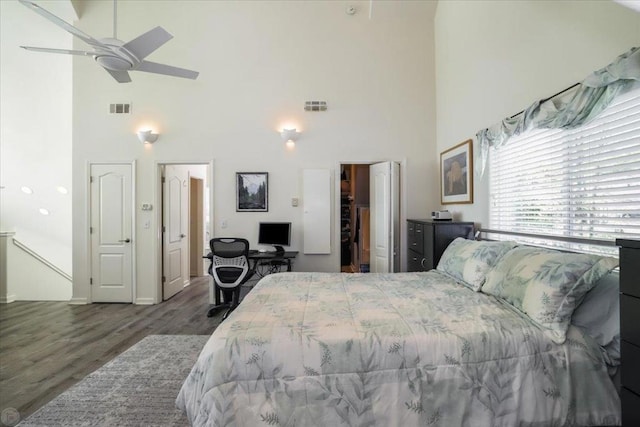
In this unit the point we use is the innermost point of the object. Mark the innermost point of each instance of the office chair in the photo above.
(230, 270)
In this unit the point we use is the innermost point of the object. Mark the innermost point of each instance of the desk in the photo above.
(271, 260)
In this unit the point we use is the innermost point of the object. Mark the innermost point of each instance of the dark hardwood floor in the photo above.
(46, 347)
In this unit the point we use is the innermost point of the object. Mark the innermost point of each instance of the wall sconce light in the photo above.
(290, 136)
(147, 137)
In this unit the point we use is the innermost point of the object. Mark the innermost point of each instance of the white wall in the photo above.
(259, 62)
(495, 58)
(35, 137)
(29, 279)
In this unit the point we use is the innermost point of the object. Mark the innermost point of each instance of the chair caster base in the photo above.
(217, 308)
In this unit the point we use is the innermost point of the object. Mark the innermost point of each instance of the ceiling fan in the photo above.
(116, 56)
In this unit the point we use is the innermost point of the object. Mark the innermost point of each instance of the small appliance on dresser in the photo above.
(428, 238)
(630, 330)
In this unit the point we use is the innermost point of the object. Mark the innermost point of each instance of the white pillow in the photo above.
(468, 261)
(599, 315)
(545, 284)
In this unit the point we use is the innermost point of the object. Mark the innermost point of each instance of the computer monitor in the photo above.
(277, 234)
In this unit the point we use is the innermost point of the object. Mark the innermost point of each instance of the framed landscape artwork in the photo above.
(456, 174)
(252, 192)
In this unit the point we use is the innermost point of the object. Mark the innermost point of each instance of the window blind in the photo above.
(580, 183)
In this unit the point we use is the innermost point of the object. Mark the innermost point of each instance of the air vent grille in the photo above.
(315, 106)
(119, 108)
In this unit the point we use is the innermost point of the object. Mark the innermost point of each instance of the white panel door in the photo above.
(384, 188)
(111, 233)
(316, 198)
(175, 242)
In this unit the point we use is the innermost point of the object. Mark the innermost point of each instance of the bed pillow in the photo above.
(546, 285)
(468, 261)
(599, 315)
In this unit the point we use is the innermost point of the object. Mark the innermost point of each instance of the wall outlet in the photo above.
(294, 202)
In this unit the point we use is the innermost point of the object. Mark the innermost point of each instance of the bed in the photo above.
(498, 335)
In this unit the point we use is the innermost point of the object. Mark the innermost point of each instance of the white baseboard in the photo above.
(8, 299)
(78, 301)
(144, 301)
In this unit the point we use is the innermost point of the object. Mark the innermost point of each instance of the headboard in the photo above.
(608, 247)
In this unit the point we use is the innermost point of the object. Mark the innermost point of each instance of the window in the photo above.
(581, 183)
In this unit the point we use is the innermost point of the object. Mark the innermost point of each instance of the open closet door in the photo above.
(384, 179)
(175, 229)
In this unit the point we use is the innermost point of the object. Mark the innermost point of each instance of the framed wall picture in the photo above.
(456, 174)
(252, 191)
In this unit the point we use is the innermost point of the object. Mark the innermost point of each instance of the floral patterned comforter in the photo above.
(404, 349)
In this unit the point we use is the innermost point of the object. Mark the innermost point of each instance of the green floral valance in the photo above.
(574, 108)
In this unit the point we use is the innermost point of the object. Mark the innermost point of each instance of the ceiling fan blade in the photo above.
(120, 76)
(146, 43)
(60, 23)
(154, 67)
(67, 51)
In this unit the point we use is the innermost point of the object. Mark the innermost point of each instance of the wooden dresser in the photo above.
(630, 330)
(427, 240)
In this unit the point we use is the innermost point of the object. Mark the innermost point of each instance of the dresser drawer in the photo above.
(416, 237)
(630, 368)
(630, 408)
(629, 271)
(414, 261)
(630, 319)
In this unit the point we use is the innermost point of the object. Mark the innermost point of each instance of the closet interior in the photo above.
(354, 217)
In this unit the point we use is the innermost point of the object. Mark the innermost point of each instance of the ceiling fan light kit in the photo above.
(116, 56)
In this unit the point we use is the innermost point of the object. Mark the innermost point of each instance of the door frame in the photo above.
(157, 183)
(134, 239)
(403, 207)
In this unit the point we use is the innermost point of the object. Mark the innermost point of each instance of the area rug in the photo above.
(137, 388)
